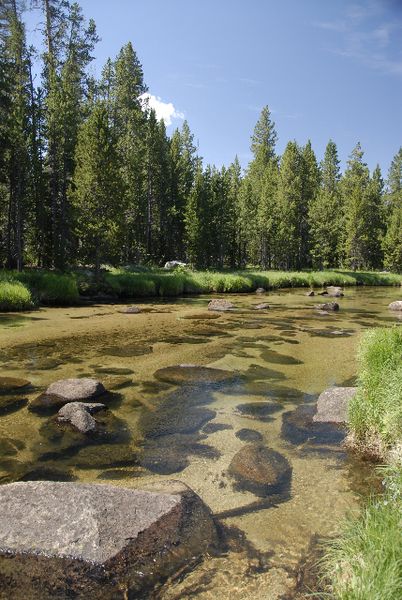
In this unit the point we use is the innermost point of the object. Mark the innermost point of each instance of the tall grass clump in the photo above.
(50, 288)
(375, 413)
(131, 285)
(14, 296)
(365, 562)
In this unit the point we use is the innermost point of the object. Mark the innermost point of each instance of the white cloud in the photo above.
(163, 110)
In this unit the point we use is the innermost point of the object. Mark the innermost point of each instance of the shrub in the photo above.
(14, 296)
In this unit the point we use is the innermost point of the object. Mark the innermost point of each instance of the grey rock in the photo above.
(397, 305)
(72, 390)
(71, 540)
(131, 310)
(333, 306)
(260, 290)
(172, 264)
(79, 415)
(220, 304)
(332, 405)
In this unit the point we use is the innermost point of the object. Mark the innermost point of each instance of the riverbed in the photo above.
(281, 358)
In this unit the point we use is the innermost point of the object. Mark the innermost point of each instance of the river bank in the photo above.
(28, 289)
(365, 561)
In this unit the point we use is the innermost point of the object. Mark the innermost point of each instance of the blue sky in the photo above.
(326, 68)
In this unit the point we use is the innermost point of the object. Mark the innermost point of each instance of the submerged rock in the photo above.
(262, 306)
(332, 405)
(298, 427)
(260, 470)
(12, 384)
(220, 304)
(193, 374)
(9, 404)
(120, 539)
(248, 435)
(261, 411)
(397, 305)
(333, 306)
(79, 415)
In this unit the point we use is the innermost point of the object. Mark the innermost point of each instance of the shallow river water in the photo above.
(282, 358)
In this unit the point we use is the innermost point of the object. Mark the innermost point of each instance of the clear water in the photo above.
(283, 357)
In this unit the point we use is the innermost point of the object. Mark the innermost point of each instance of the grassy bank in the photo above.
(365, 562)
(52, 288)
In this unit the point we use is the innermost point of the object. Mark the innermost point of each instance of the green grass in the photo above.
(375, 413)
(128, 283)
(43, 287)
(51, 288)
(14, 296)
(365, 562)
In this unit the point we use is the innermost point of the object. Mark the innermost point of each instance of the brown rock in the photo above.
(259, 469)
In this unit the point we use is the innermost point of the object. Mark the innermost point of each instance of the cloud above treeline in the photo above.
(165, 111)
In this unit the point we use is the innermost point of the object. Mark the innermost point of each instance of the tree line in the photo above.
(88, 174)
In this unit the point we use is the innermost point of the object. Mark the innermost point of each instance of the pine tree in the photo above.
(362, 200)
(326, 213)
(97, 190)
(290, 191)
(392, 244)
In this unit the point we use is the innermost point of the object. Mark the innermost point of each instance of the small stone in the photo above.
(220, 304)
(260, 290)
(397, 305)
(310, 293)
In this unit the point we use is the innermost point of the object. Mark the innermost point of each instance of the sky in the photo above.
(326, 69)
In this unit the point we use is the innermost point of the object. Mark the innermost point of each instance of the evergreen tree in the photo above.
(392, 244)
(363, 200)
(326, 213)
(97, 190)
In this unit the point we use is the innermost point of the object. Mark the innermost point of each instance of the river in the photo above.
(282, 359)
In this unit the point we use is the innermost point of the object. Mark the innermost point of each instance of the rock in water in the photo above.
(220, 304)
(72, 390)
(12, 384)
(260, 470)
(262, 306)
(79, 415)
(334, 291)
(334, 306)
(310, 293)
(71, 540)
(332, 405)
(260, 290)
(130, 310)
(397, 305)
(191, 374)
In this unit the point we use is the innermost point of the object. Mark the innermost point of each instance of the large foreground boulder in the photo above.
(397, 305)
(70, 540)
(332, 405)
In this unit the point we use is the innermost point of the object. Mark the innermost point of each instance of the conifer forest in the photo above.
(89, 176)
